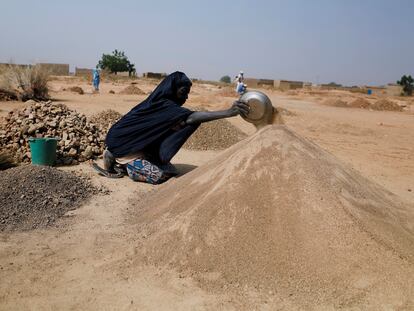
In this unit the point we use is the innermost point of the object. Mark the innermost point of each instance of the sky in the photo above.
(352, 42)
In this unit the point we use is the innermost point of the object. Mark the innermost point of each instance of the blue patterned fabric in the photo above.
(145, 171)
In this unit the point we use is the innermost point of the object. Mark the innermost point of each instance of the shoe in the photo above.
(109, 161)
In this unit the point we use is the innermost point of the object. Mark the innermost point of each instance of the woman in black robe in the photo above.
(146, 138)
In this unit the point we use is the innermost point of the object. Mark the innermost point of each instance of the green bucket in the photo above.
(43, 150)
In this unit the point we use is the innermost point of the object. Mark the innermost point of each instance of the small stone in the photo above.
(72, 152)
(32, 129)
(88, 153)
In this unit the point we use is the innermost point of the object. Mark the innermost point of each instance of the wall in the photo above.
(251, 82)
(55, 69)
(285, 85)
(83, 72)
(393, 90)
(154, 75)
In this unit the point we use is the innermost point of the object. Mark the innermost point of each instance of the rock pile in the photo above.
(105, 119)
(79, 141)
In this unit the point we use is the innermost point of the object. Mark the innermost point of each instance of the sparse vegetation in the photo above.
(24, 83)
(225, 79)
(407, 83)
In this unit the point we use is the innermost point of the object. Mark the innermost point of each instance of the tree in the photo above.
(116, 62)
(407, 83)
(225, 79)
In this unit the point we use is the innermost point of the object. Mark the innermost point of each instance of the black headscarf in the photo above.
(150, 120)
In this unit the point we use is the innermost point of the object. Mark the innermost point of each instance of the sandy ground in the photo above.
(84, 262)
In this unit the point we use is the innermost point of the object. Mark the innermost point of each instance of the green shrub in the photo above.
(225, 79)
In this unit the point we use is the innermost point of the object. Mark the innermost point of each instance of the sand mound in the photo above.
(214, 135)
(385, 104)
(276, 214)
(33, 196)
(228, 92)
(105, 119)
(335, 102)
(285, 112)
(76, 89)
(132, 90)
(360, 103)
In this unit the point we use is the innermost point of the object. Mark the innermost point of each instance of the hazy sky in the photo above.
(346, 41)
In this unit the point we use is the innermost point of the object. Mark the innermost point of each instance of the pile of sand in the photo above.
(76, 89)
(381, 104)
(132, 90)
(286, 112)
(105, 119)
(277, 215)
(34, 196)
(228, 92)
(335, 102)
(214, 135)
(385, 104)
(360, 103)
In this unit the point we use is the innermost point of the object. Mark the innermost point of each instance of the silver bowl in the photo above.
(261, 109)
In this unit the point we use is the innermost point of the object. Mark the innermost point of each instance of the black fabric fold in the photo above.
(150, 121)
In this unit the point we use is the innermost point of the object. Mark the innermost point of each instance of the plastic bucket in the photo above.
(43, 151)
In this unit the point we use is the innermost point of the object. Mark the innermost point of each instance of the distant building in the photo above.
(252, 82)
(393, 89)
(83, 72)
(286, 85)
(55, 69)
(154, 75)
(330, 86)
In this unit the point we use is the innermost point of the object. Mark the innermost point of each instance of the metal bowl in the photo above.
(261, 109)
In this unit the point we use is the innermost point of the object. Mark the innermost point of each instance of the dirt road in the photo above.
(85, 262)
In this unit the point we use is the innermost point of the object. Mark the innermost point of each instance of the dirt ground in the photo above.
(86, 261)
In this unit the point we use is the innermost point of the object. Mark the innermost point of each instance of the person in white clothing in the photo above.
(240, 86)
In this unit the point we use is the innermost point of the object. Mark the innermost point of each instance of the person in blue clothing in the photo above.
(96, 79)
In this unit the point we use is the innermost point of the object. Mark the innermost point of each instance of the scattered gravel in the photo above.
(35, 196)
(214, 135)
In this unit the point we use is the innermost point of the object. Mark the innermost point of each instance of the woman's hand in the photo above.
(239, 107)
(206, 116)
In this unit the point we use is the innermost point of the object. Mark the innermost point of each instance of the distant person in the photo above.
(240, 86)
(96, 79)
(144, 141)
